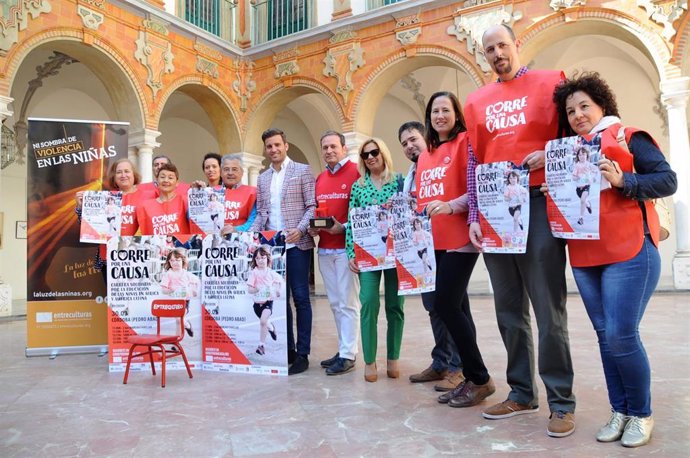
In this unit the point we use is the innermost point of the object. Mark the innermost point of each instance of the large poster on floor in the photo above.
(65, 292)
(244, 303)
(142, 269)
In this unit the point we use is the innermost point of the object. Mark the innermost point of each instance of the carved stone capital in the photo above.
(340, 63)
(408, 36)
(675, 92)
(90, 18)
(563, 4)
(207, 67)
(343, 35)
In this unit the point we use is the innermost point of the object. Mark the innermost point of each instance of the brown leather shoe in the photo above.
(451, 380)
(370, 373)
(392, 368)
(472, 394)
(428, 375)
(561, 424)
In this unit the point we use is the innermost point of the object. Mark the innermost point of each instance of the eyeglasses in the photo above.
(373, 153)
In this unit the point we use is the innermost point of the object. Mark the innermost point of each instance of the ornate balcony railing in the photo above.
(277, 18)
(214, 16)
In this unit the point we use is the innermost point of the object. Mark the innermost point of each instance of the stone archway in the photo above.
(396, 67)
(289, 108)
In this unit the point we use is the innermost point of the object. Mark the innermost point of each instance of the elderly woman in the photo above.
(377, 183)
(443, 197)
(617, 274)
(123, 177)
(166, 214)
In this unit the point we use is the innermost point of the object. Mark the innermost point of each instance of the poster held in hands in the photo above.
(503, 200)
(574, 182)
(370, 234)
(413, 245)
(206, 209)
(101, 216)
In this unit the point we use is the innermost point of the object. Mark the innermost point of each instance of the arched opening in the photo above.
(195, 120)
(66, 80)
(303, 113)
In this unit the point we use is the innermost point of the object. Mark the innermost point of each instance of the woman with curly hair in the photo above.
(617, 274)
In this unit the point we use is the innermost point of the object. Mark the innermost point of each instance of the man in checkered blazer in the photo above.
(285, 201)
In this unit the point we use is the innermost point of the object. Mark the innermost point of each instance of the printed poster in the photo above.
(244, 303)
(142, 269)
(101, 216)
(65, 292)
(503, 199)
(413, 244)
(206, 209)
(370, 234)
(574, 183)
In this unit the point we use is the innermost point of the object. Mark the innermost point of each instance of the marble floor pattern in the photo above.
(72, 406)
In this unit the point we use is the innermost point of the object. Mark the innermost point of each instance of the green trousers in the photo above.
(369, 313)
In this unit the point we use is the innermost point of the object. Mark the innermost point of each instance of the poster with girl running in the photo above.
(574, 182)
(142, 269)
(413, 246)
(244, 300)
(370, 234)
(101, 216)
(206, 209)
(503, 200)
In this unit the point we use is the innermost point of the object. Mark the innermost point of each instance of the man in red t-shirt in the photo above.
(511, 120)
(333, 187)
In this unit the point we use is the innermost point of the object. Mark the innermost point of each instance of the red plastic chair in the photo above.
(161, 308)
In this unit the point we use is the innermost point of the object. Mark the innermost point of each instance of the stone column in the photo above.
(253, 165)
(353, 141)
(144, 142)
(341, 9)
(674, 95)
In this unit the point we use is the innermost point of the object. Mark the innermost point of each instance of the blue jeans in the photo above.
(298, 265)
(616, 296)
(444, 355)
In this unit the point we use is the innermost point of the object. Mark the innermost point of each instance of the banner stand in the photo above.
(54, 352)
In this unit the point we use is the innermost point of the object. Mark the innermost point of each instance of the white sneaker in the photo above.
(613, 429)
(638, 431)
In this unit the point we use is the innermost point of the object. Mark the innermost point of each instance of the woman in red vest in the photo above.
(166, 214)
(123, 177)
(441, 181)
(617, 274)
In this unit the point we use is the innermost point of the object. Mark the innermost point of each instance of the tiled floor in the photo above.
(72, 406)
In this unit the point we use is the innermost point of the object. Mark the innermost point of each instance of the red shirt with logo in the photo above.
(163, 218)
(238, 204)
(335, 189)
(506, 121)
(442, 175)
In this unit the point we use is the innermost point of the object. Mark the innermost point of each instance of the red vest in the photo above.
(621, 227)
(238, 204)
(167, 218)
(335, 189)
(506, 121)
(442, 175)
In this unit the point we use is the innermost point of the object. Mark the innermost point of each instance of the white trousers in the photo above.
(342, 289)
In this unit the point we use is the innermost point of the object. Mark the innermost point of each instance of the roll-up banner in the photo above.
(66, 309)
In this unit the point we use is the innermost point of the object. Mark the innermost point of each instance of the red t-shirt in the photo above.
(166, 218)
(238, 204)
(335, 189)
(506, 121)
(442, 175)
